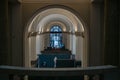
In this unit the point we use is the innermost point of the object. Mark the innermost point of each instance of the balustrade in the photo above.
(107, 72)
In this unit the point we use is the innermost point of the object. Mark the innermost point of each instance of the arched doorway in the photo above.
(38, 28)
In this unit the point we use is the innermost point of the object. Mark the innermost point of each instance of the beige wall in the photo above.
(28, 9)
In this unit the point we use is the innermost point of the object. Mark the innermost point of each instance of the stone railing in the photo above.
(107, 72)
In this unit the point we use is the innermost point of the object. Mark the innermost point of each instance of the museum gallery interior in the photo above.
(59, 40)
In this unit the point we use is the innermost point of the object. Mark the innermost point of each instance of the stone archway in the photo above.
(71, 24)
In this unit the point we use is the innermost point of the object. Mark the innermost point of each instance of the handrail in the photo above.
(57, 71)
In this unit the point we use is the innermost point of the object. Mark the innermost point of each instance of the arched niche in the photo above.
(75, 37)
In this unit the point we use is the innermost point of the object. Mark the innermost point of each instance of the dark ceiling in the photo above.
(96, 1)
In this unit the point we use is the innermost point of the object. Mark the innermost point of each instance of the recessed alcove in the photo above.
(74, 35)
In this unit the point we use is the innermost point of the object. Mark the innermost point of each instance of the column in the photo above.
(74, 45)
(79, 48)
(5, 53)
(111, 33)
